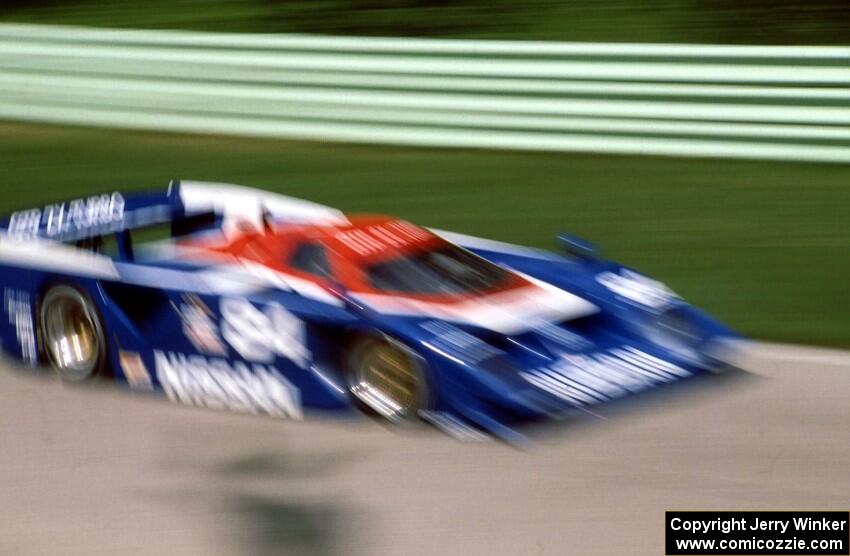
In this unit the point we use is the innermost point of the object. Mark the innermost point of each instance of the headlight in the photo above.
(638, 289)
(678, 327)
(675, 332)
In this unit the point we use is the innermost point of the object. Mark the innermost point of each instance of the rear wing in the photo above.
(187, 206)
(89, 217)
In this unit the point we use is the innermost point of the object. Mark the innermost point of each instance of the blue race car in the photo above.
(262, 303)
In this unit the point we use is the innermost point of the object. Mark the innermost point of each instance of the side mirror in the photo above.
(576, 246)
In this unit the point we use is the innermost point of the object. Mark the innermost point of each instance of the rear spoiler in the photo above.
(188, 206)
(93, 216)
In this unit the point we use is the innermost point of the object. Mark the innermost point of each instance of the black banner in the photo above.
(757, 533)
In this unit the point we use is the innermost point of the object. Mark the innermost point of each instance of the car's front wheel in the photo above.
(72, 334)
(386, 378)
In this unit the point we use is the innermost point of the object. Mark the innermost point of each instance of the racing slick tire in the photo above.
(71, 332)
(386, 379)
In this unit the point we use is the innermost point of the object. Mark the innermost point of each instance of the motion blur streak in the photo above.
(790, 103)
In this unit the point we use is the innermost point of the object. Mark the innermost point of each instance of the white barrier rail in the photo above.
(787, 103)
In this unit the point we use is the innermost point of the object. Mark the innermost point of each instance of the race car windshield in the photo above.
(448, 270)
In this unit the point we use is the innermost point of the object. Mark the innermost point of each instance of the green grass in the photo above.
(763, 245)
(689, 21)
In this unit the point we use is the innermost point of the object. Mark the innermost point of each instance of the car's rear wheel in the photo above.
(387, 379)
(72, 334)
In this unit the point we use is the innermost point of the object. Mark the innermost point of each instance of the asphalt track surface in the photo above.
(91, 471)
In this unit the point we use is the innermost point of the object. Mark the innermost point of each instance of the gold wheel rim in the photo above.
(70, 335)
(388, 381)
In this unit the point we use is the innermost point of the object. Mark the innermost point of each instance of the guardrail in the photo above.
(788, 103)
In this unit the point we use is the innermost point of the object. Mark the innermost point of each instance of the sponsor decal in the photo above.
(376, 238)
(216, 383)
(97, 214)
(19, 310)
(135, 370)
(599, 377)
(637, 288)
(562, 338)
(451, 340)
(262, 335)
(199, 325)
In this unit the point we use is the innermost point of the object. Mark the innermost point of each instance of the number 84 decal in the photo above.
(262, 335)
